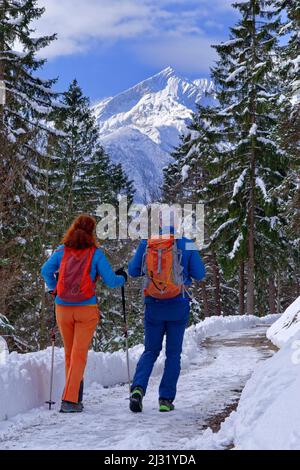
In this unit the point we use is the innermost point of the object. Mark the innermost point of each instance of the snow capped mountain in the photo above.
(142, 125)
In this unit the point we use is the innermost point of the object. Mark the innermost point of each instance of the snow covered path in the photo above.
(213, 381)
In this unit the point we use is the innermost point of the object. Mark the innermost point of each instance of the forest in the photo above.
(239, 157)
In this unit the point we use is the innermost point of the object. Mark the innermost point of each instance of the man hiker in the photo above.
(79, 262)
(168, 266)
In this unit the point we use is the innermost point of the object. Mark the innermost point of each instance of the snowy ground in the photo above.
(268, 414)
(287, 326)
(213, 380)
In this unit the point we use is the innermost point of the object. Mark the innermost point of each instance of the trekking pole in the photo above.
(50, 402)
(126, 337)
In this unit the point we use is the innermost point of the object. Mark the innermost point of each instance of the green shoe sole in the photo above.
(164, 408)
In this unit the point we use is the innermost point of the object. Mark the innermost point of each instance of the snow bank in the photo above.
(24, 378)
(268, 414)
(287, 326)
(3, 351)
(24, 381)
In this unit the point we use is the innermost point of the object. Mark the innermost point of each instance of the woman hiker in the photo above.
(168, 266)
(79, 262)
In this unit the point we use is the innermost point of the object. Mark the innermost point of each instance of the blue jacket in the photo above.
(99, 266)
(193, 266)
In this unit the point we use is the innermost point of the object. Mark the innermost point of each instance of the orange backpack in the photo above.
(162, 268)
(74, 282)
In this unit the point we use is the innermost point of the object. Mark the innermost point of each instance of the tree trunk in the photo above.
(204, 298)
(43, 325)
(242, 289)
(278, 293)
(2, 37)
(42, 230)
(251, 262)
(272, 295)
(216, 282)
(2, 66)
(251, 216)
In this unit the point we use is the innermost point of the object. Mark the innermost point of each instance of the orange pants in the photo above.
(77, 326)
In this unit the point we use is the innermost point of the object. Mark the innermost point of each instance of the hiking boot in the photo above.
(165, 405)
(69, 407)
(136, 400)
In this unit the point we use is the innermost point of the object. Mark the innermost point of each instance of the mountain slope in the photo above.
(141, 126)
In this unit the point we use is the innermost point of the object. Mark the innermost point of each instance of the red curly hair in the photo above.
(81, 234)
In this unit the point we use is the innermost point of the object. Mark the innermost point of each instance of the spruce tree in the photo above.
(73, 154)
(288, 132)
(289, 125)
(234, 162)
(186, 180)
(254, 163)
(121, 185)
(23, 129)
(83, 176)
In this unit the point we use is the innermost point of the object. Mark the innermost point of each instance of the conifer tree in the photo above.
(254, 164)
(289, 126)
(194, 161)
(83, 176)
(240, 161)
(23, 128)
(288, 131)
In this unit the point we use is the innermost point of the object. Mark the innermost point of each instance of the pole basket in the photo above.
(50, 403)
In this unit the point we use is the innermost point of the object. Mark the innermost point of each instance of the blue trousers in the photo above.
(170, 320)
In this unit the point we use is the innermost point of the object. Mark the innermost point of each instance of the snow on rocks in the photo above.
(24, 378)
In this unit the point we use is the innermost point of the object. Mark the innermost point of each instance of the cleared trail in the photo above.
(212, 383)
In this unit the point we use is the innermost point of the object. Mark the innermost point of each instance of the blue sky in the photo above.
(110, 45)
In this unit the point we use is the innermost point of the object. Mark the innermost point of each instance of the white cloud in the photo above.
(217, 5)
(78, 23)
(165, 31)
